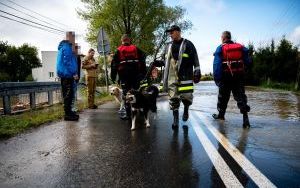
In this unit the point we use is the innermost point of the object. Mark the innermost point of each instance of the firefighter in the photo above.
(182, 69)
(229, 64)
(129, 64)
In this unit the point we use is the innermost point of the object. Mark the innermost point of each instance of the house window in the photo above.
(51, 74)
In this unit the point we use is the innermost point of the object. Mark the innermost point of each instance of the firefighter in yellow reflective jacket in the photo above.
(182, 70)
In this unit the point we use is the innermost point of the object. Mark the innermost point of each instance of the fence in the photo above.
(23, 95)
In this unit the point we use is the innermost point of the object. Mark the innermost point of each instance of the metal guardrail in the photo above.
(8, 89)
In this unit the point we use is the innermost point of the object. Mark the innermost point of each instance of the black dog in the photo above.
(143, 100)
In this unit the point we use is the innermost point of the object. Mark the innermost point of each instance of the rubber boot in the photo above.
(246, 123)
(219, 116)
(176, 119)
(185, 115)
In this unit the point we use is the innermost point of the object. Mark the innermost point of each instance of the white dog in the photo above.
(117, 93)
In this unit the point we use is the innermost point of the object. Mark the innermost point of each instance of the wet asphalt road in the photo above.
(101, 151)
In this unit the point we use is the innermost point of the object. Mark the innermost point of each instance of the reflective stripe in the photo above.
(229, 62)
(129, 61)
(185, 88)
(144, 85)
(160, 88)
(185, 55)
(197, 68)
(186, 82)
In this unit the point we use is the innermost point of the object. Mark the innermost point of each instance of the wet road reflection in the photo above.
(101, 151)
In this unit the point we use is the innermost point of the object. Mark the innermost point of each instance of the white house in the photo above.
(47, 72)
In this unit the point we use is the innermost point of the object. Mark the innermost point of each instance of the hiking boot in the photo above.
(185, 115)
(218, 116)
(176, 119)
(71, 118)
(246, 123)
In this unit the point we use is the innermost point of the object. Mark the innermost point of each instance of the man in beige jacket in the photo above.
(91, 73)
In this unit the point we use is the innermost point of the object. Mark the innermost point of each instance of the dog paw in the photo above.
(148, 125)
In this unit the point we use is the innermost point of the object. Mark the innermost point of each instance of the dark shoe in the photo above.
(93, 107)
(185, 115)
(176, 119)
(246, 123)
(218, 116)
(71, 118)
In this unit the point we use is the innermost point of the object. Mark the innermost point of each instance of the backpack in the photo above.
(232, 58)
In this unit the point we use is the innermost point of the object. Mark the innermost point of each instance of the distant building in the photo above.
(47, 72)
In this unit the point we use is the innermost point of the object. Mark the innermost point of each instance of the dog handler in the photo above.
(182, 69)
(129, 64)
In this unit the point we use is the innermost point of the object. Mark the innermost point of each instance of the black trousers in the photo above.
(234, 84)
(68, 94)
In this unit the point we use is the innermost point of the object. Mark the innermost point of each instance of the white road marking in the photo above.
(227, 176)
(260, 179)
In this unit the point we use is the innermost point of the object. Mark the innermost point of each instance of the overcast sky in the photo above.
(257, 21)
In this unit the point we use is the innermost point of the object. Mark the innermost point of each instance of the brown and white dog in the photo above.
(117, 93)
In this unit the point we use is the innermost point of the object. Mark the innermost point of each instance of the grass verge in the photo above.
(280, 86)
(11, 125)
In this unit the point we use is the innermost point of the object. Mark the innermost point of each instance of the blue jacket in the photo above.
(217, 64)
(66, 63)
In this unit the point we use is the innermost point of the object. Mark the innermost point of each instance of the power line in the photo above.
(37, 13)
(30, 15)
(50, 31)
(276, 29)
(31, 21)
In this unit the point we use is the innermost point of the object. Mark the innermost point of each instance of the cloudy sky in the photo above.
(254, 21)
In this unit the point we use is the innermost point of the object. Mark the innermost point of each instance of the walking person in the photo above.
(129, 64)
(182, 70)
(67, 71)
(229, 71)
(91, 73)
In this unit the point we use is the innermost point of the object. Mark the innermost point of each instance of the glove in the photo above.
(197, 76)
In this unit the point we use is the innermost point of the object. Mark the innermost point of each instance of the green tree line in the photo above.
(274, 64)
(17, 62)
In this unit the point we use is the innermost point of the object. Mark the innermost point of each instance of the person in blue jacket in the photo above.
(67, 71)
(230, 60)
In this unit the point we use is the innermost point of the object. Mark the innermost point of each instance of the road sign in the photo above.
(103, 42)
(103, 48)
